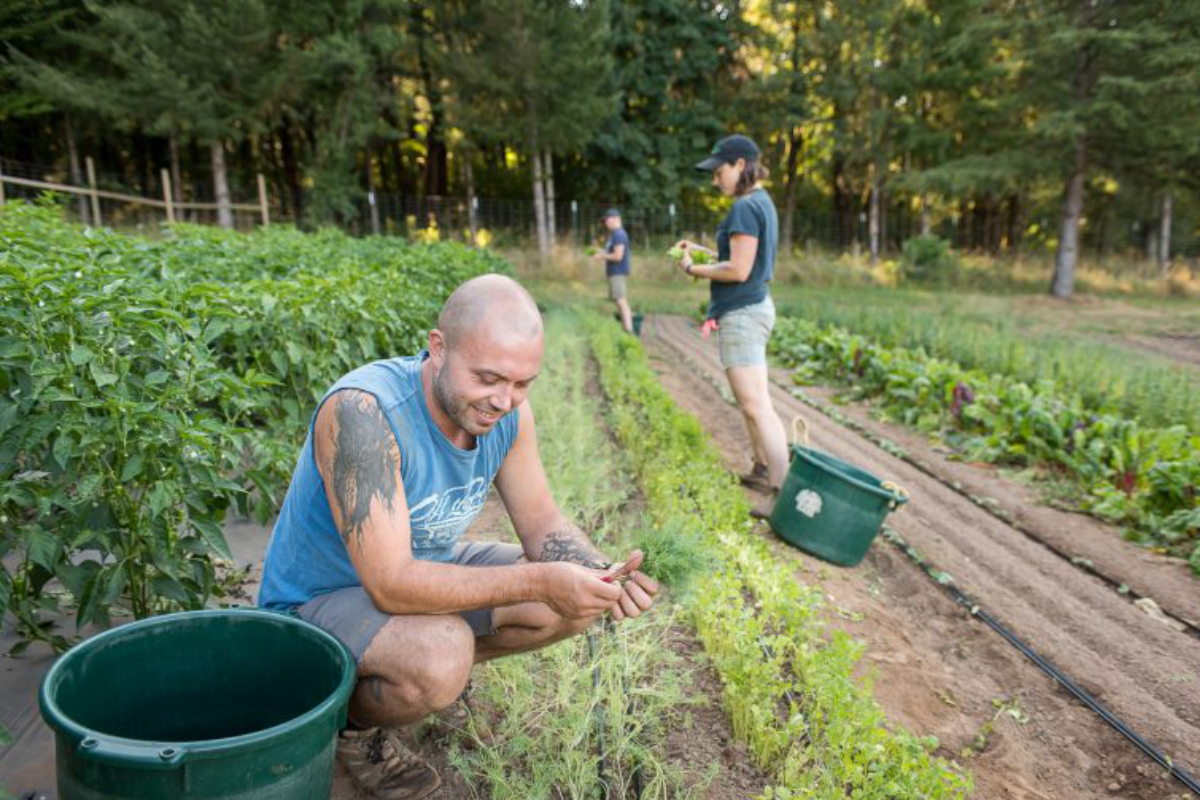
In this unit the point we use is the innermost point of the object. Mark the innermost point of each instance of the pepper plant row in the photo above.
(146, 387)
(1146, 479)
(789, 683)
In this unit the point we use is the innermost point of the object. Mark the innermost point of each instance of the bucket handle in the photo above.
(800, 431)
(901, 494)
(144, 755)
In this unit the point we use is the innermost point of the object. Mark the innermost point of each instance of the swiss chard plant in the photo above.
(1144, 478)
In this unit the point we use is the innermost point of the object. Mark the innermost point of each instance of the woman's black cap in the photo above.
(729, 150)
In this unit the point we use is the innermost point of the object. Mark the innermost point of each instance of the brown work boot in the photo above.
(383, 767)
(756, 478)
(763, 508)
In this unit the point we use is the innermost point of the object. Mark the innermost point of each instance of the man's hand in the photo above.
(638, 589)
(576, 592)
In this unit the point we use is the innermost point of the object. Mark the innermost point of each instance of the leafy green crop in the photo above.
(674, 555)
(1145, 478)
(999, 336)
(789, 681)
(148, 387)
(698, 256)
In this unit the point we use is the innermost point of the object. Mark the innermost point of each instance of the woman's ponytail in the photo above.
(750, 177)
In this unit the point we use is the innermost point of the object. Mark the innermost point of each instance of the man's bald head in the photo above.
(494, 306)
(485, 353)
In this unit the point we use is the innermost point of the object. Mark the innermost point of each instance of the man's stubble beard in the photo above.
(456, 408)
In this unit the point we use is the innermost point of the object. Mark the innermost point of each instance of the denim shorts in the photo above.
(351, 616)
(743, 334)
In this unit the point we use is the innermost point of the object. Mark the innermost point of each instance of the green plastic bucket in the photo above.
(636, 319)
(830, 508)
(226, 704)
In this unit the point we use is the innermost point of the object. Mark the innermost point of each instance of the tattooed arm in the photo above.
(567, 542)
(546, 534)
(359, 460)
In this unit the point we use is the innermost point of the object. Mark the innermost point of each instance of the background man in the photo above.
(616, 258)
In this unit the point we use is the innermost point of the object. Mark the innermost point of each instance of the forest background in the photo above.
(1053, 129)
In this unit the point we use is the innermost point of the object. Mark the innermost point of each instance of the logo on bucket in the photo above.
(808, 503)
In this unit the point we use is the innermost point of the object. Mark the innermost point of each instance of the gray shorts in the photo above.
(351, 616)
(616, 287)
(743, 334)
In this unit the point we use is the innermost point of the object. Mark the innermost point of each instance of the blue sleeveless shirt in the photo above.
(445, 487)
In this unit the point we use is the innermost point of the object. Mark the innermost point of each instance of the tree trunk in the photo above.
(1164, 237)
(436, 153)
(221, 185)
(76, 172)
(196, 188)
(146, 159)
(843, 226)
(291, 172)
(976, 228)
(539, 202)
(407, 178)
(435, 166)
(992, 226)
(548, 175)
(472, 215)
(795, 140)
(176, 172)
(1067, 256)
(873, 216)
(1013, 223)
(372, 196)
(926, 219)
(883, 218)
(963, 225)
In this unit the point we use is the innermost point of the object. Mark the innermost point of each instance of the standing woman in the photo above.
(740, 301)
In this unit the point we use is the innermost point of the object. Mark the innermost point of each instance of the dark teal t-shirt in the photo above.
(752, 214)
(619, 236)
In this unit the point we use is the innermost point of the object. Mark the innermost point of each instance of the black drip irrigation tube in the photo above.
(602, 768)
(602, 763)
(938, 577)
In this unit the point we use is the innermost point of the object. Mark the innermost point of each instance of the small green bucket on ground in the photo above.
(829, 508)
(229, 704)
(636, 319)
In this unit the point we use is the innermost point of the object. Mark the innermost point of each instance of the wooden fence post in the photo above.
(2, 201)
(262, 200)
(167, 197)
(91, 171)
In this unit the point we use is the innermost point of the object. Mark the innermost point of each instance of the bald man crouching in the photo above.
(398, 462)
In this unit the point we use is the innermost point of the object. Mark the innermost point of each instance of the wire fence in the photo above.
(1119, 246)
